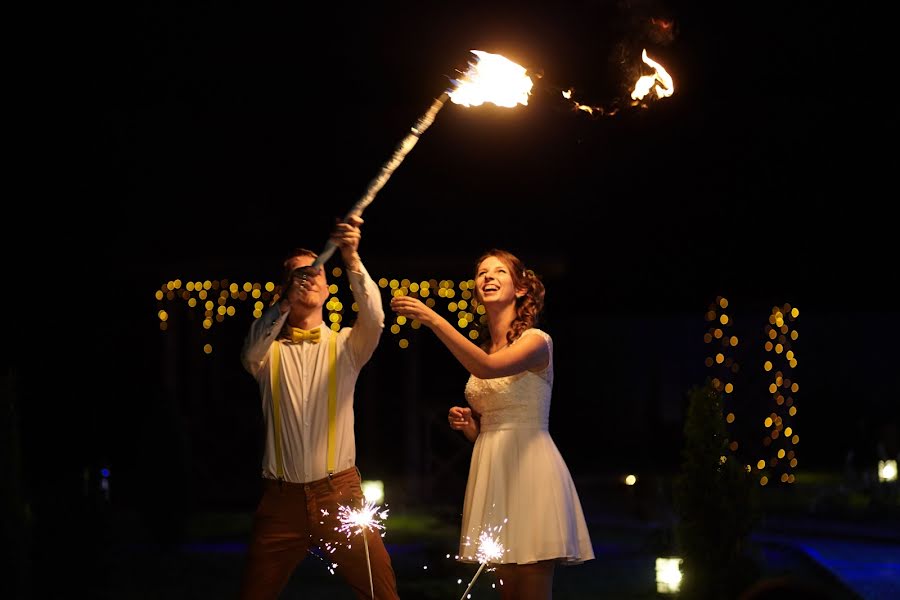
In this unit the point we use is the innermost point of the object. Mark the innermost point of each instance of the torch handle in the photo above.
(330, 246)
(325, 254)
(387, 169)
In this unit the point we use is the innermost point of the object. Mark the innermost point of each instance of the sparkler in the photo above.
(367, 518)
(490, 78)
(489, 550)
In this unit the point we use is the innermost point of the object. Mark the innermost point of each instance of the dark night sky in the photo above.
(196, 130)
(214, 139)
(758, 177)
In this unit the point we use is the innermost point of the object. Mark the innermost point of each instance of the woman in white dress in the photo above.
(519, 491)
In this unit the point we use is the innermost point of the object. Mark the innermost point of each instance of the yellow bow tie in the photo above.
(303, 335)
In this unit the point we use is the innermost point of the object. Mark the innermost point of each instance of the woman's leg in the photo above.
(527, 582)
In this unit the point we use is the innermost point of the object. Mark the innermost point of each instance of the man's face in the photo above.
(308, 286)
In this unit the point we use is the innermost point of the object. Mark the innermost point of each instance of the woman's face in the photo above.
(494, 282)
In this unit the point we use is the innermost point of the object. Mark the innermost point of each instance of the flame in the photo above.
(646, 82)
(663, 24)
(643, 85)
(495, 79)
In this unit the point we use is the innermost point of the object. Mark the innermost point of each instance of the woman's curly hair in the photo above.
(528, 307)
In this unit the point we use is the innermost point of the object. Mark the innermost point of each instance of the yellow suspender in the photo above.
(276, 407)
(332, 403)
(332, 398)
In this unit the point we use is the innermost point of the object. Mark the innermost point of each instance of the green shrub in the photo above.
(716, 505)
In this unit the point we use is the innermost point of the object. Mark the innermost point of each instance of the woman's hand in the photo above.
(413, 308)
(462, 419)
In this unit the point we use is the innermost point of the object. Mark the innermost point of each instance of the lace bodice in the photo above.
(518, 401)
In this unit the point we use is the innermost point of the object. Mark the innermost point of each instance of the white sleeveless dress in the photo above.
(519, 490)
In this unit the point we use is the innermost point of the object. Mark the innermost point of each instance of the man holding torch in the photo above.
(307, 374)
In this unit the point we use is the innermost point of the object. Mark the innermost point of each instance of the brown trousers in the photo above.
(292, 518)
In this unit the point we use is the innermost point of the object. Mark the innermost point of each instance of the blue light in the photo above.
(104, 471)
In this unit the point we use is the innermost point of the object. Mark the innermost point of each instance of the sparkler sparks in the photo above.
(354, 521)
(367, 518)
(489, 550)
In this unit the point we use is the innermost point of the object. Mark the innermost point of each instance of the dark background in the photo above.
(207, 141)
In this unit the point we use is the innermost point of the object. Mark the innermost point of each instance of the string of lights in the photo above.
(220, 299)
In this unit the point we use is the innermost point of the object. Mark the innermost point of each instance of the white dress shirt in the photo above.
(304, 384)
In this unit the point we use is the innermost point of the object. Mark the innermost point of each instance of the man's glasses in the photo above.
(301, 274)
(307, 272)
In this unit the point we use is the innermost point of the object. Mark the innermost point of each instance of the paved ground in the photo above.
(863, 559)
